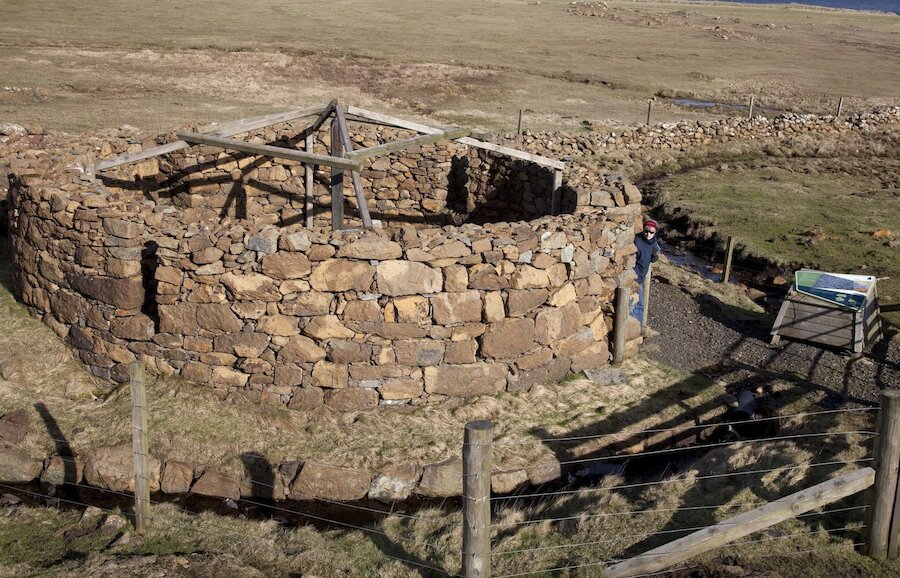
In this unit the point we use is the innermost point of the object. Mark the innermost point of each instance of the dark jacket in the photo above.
(647, 252)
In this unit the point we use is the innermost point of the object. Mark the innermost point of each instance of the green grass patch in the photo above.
(820, 219)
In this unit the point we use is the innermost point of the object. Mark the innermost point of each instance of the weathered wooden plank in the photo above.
(308, 183)
(845, 314)
(823, 320)
(267, 150)
(400, 145)
(814, 337)
(347, 145)
(337, 182)
(744, 524)
(409, 125)
(226, 130)
(556, 193)
(329, 108)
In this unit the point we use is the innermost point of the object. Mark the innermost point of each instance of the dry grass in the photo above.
(166, 64)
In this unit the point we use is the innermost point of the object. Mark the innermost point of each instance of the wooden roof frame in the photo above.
(342, 157)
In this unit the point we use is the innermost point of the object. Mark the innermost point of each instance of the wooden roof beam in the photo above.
(226, 130)
(267, 150)
(409, 125)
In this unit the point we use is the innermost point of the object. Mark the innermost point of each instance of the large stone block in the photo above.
(342, 275)
(520, 302)
(406, 278)
(343, 351)
(402, 388)
(14, 424)
(466, 380)
(371, 247)
(508, 338)
(552, 325)
(326, 327)
(395, 484)
(251, 287)
(63, 470)
(121, 293)
(278, 325)
(527, 277)
(301, 349)
(352, 399)
(218, 318)
(135, 328)
(451, 308)
(112, 468)
(286, 265)
(321, 481)
(307, 398)
(442, 480)
(484, 277)
(179, 318)
(17, 467)
(330, 375)
(216, 485)
(421, 352)
(242, 344)
(308, 303)
(176, 477)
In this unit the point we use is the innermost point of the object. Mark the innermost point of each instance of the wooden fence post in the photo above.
(476, 562)
(309, 182)
(649, 108)
(139, 446)
(556, 194)
(645, 292)
(519, 126)
(883, 496)
(840, 106)
(729, 254)
(750, 113)
(620, 325)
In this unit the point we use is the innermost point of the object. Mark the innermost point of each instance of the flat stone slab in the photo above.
(606, 376)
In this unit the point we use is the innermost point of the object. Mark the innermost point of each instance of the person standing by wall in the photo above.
(647, 252)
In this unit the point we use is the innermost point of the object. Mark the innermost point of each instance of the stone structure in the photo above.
(197, 263)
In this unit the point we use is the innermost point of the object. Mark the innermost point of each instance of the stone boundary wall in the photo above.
(686, 135)
(411, 313)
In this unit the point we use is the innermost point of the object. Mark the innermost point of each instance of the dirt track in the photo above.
(695, 337)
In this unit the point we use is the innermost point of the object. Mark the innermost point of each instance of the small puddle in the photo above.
(686, 259)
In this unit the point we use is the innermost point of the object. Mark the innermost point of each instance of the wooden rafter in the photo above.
(267, 150)
(409, 125)
(229, 129)
(409, 143)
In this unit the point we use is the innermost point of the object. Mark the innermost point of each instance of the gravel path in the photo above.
(694, 336)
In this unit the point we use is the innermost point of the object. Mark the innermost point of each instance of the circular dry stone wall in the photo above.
(199, 263)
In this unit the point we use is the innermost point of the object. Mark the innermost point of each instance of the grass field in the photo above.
(163, 64)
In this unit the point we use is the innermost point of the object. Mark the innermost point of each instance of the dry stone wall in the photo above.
(198, 264)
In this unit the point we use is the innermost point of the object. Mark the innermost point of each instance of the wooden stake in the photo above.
(883, 497)
(620, 325)
(337, 180)
(729, 254)
(840, 106)
(646, 292)
(750, 113)
(347, 145)
(556, 198)
(139, 445)
(476, 554)
(519, 126)
(649, 108)
(309, 182)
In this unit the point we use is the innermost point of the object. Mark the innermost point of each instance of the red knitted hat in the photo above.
(651, 223)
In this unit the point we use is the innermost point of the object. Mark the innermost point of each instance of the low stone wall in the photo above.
(153, 263)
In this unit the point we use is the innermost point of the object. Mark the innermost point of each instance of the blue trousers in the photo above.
(638, 311)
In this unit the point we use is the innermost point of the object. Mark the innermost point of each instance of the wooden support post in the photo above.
(476, 562)
(883, 496)
(347, 144)
(556, 195)
(309, 182)
(729, 254)
(840, 106)
(139, 446)
(649, 109)
(750, 112)
(519, 126)
(620, 325)
(337, 180)
(645, 290)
